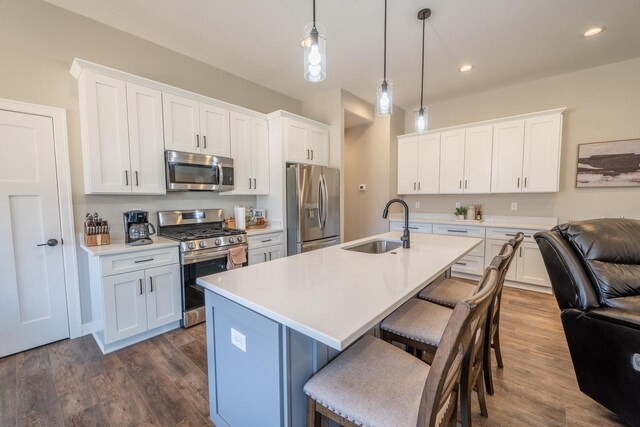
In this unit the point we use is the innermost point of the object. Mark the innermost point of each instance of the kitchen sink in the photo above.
(375, 246)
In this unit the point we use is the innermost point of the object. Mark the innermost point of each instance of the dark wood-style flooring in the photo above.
(163, 381)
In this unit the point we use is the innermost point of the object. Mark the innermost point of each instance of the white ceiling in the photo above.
(508, 41)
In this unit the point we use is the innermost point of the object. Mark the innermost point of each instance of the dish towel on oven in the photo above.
(237, 257)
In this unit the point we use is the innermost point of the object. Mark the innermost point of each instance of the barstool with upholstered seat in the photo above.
(449, 291)
(374, 383)
(419, 325)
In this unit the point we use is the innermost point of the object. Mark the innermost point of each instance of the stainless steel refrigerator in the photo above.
(313, 207)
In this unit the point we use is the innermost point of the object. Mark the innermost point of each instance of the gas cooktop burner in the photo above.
(202, 233)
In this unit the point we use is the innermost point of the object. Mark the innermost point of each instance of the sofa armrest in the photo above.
(630, 319)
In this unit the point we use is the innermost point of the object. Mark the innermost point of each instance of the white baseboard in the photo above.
(108, 348)
(87, 328)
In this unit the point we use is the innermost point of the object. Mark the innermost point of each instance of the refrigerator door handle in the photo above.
(325, 201)
(320, 202)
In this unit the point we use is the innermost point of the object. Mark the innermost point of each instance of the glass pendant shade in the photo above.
(422, 120)
(384, 97)
(314, 46)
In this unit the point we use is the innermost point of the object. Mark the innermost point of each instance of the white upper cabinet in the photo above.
(105, 135)
(250, 152)
(306, 143)
(181, 123)
(146, 145)
(429, 164)
(214, 129)
(408, 165)
(194, 127)
(541, 165)
(477, 159)
(452, 162)
(508, 151)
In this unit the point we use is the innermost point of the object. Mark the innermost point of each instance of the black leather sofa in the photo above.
(594, 268)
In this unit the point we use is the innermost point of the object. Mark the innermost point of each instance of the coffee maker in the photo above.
(137, 228)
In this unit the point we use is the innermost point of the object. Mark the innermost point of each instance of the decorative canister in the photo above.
(471, 212)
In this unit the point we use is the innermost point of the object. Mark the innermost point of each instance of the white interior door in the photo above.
(33, 305)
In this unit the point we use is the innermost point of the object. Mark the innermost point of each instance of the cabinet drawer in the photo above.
(470, 265)
(463, 231)
(264, 240)
(414, 227)
(509, 233)
(132, 261)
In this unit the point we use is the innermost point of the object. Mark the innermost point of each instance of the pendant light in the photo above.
(422, 115)
(384, 93)
(314, 44)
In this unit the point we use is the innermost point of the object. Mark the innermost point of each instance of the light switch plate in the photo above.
(514, 206)
(417, 205)
(239, 340)
(636, 362)
(458, 204)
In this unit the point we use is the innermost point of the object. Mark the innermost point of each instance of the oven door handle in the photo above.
(192, 259)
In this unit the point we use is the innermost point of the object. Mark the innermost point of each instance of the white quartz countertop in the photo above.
(515, 222)
(259, 231)
(334, 295)
(119, 246)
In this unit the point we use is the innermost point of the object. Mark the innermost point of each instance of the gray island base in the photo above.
(270, 327)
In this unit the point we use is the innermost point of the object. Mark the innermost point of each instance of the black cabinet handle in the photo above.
(307, 154)
(266, 240)
(137, 180)
(197, 140)
(143, 260)
(151, 283)
(255, 184)
(518, 182)
(413, 228)
(249, 183)
(126, 178)
(311, 154)
(204, 140)
(457, 231)
(525, 182)
(140, 280)
(461, 263)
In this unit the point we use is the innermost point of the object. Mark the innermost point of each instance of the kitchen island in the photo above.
(271, 326)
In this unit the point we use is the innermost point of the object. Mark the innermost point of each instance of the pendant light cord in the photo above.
(314, 13)
(384, 74)
(422, 80)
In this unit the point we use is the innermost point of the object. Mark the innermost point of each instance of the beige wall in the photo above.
(39, 44)
(603, 104)
(369, 158)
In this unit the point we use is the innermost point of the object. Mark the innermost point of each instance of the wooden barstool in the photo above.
(448, 292)
(374, 383)
(419, 324)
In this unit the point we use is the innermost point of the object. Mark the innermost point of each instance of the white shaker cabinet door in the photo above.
(275, 252)
(181, 124)
(541, 165)
(105, 134)
(295, 134)
(408, 165)
(508, 151)
(260, 156)
(452, 162)
(146, 144)
(493, 248)
(477, 159)
(164, 296)
(257, 256)
(318, 145)
(214, 127)
(241, 152)
(124, 305)
(429, 164)
(530, 265)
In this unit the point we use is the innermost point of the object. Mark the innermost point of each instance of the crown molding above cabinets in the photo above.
(517, 154)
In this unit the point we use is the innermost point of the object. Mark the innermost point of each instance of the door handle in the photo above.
(525, 182)
(419, 185)
(465, 184)
(255, 184)
(461, 184)
(151, 283)
(140, 280)
(307, 154)
(265, 257)
(518, 182)
(204, 141)
(137, 180)
(311, 154)
(269, 256)
(126, 178)
(197, 141)
(50, 242)
(249, 183)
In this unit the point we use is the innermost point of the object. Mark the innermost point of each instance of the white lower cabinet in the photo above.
(137, 303)
(266, 247)
(530, 266)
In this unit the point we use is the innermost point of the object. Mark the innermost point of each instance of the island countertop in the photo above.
(334, 295)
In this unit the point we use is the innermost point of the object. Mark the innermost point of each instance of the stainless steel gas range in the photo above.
(204, 250)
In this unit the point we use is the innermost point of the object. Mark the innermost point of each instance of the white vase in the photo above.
(461, 217)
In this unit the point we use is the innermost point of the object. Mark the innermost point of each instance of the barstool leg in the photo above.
(481, 397)
(496, 346)
(465, 401)
(314, 418)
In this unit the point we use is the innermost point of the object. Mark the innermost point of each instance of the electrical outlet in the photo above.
(417, 205)
(458, 204)
(239, 340)
(362, 187)
(514, 206)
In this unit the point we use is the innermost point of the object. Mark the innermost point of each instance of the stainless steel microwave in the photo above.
(198, 172)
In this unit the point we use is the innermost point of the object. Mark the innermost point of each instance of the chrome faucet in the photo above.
(406, 244)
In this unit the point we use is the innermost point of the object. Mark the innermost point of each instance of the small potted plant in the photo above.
(461, 212)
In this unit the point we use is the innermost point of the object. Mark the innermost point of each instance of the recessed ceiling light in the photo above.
(466, 67)
(593, 31)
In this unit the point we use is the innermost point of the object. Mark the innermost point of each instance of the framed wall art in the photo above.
(609, 164)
